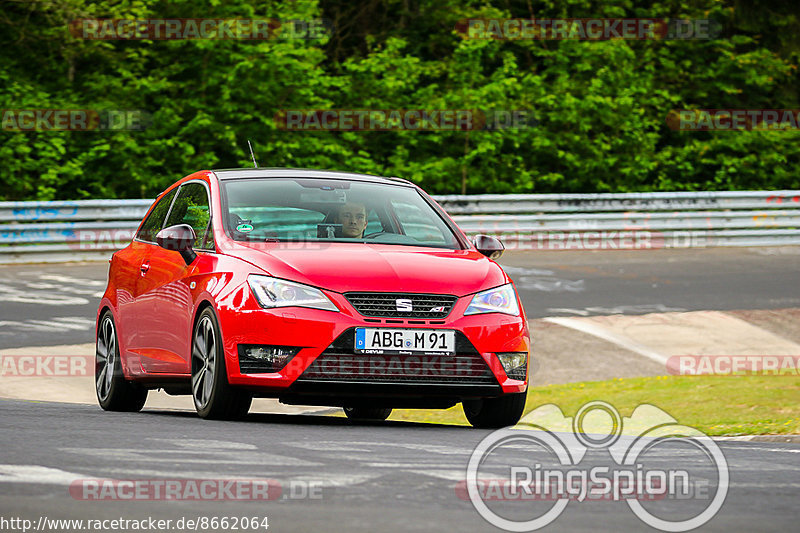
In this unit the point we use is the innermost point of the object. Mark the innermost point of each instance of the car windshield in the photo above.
(316, 209)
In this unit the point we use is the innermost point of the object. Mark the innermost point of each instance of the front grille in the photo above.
(385, 304)
(339, 363)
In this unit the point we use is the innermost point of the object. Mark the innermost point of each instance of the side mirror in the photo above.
(179, 238)
(489, 246)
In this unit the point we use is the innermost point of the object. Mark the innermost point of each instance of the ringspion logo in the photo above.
(541, 464)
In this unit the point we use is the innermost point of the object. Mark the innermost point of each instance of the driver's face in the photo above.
(353, 218)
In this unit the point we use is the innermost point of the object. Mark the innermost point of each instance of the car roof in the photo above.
(245, 173)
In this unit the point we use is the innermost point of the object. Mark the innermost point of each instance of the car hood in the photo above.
(343, 267)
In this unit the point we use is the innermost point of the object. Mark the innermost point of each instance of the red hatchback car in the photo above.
(316, 288)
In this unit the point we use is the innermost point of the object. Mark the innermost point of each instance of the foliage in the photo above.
(600, 105)
(716, 405)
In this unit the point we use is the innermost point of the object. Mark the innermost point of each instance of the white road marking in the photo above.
(62, 323)
(43, 475)
(778, 450)
(62, 288)
(528, 271)
(330, 447)
(331, 480)
(437, 448)
(13, 294)
(50, 289)
(618, 310)
(415, 465)
(325, 479)
(206, 445)
(36, 474)
(182, 456)
(365, 447)
(535, 279)
(449, 475)
(461, 475)
(55, 324)
(72, 280)
(602, 333)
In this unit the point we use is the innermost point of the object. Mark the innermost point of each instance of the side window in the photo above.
(191, 207)
(154, 222)
(418, 225)
(373, 223)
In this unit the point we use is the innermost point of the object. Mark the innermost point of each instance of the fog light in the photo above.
(256, 358)
(515, 364)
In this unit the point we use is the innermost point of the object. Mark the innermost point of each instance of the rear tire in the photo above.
(213, 396)
(493, 413)
(114, 392)
(372, 414)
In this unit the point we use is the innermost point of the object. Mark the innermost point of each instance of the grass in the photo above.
(716, 405)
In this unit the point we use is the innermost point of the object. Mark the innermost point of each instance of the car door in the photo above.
(128, 272)
(164, 301)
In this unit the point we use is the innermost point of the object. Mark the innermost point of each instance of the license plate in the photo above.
(405, 341)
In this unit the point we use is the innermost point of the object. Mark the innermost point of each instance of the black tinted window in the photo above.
(191, 207)
(155, 221)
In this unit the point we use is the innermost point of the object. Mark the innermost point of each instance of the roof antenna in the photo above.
(252, 154)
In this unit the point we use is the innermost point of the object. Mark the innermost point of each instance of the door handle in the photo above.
(144, 268)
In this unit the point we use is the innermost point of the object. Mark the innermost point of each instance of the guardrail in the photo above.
(89, 230)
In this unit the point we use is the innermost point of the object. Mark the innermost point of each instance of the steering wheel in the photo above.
(374, 234)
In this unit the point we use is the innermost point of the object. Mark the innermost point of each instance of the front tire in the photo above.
(213, 396)
(114, 392)
(493, 413)
(371, 414)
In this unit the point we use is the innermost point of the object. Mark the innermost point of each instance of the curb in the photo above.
(761, 438)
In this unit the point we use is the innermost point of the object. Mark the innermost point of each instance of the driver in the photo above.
(353, 218)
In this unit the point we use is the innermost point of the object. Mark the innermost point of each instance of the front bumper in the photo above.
(326, 367)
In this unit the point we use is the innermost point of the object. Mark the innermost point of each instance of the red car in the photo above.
(314, 287)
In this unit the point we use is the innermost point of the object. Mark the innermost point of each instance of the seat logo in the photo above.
(404, 305)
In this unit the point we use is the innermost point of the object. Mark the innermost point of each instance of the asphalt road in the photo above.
(43, 305)
(392, 476)
(388, 476)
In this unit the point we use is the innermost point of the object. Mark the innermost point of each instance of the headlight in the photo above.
(501, 299)
(273, 292)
